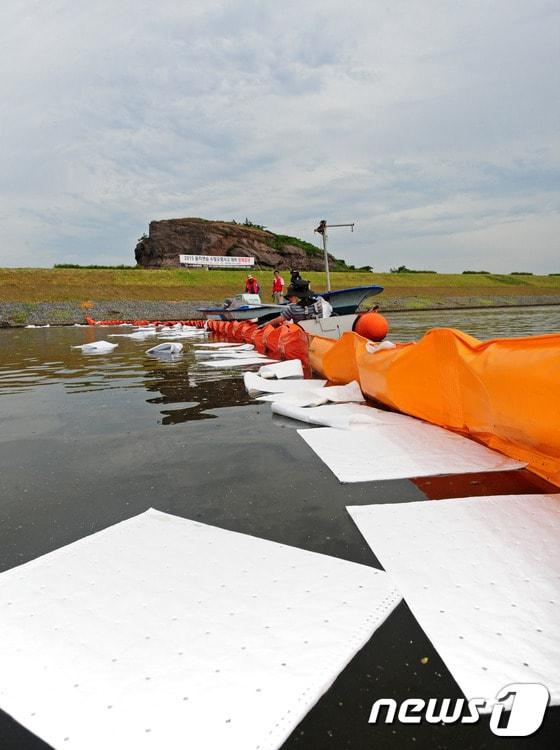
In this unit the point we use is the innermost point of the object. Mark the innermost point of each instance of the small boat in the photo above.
(250, 307)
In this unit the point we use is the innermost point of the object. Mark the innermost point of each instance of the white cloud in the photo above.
(433, 125)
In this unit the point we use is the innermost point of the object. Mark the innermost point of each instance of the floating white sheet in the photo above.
(297, 398)
(289, 368)
(171, 347)
(224, 345)
(345, 393)
(161, 633)
(400, 451)
(316, 396)
(137, 335)
(234, 362)
(229, 354)
(255, 384)
(177, 335)
(343, 416)
(96, 347)
(482, 576)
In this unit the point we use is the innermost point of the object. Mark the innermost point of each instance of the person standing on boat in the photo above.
(277, 288)
(295, 276)
(252, 285)
(303, 304)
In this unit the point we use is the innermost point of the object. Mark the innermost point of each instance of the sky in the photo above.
(432, 124)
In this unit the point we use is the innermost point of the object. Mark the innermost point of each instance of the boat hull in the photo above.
(343, 302)
(329, 328)
(257, 312)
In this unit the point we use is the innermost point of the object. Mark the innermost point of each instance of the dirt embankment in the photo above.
(65, 296)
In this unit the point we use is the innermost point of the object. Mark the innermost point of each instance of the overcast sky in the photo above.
(434, 124)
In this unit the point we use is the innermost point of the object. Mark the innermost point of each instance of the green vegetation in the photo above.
(476, 272)
(507, 279)
(522, 273)
(248, 223)
(404, 269)
(279, 240)
(77, 265)
(85, 285)
(20, 318)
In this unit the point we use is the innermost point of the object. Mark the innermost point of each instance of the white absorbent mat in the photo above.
(345, 393)
(228, 354)
(310, 396)
(179, 335)
(301, 398)
(401, 451)
(344, 416)
(289, 368)
(170, 347)
(163, 633)
(482, 577)
(255, 384)
(234, 362)
(226, 345)
(96, 347)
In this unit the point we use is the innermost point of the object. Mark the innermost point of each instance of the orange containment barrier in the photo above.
(293, 344)
(504, 392)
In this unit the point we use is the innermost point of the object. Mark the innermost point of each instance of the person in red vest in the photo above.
(277, 288)
(252, 285)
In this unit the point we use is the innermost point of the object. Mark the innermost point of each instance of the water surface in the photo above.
(88, 441)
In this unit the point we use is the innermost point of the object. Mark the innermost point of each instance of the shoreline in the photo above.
(21, 314)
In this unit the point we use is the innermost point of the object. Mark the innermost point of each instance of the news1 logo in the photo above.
(518, 710)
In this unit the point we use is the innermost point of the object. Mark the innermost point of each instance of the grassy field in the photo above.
(85, 285)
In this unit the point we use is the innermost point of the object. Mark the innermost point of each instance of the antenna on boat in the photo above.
(322, 230)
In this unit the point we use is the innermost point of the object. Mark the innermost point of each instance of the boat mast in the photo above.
(322, 230)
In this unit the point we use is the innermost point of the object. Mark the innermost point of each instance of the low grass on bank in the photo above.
(176, 285)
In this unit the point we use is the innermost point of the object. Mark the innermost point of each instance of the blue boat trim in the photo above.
(371, 289)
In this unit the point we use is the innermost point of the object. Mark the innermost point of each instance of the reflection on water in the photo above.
(31, 359)
(181, 389)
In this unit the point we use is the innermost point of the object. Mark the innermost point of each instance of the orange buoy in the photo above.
(372, 326)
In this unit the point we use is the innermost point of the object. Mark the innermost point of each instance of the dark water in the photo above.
(88, 441)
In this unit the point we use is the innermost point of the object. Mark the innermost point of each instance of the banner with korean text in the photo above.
(223, 261)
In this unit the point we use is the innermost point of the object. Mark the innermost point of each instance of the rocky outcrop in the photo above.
(169, 238)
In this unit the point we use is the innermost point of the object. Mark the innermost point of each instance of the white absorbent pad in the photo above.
(344, 416)
(297, 398)
(163, 633)
(310, 396)
(289, 368)
(234, 362)
(225, 345)
(170, 347)
(482, 577)
(179, 335)
(136, 336)
(345, 393)
(255, 384)
(401, 451)
(96, 347)
(229, 354)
